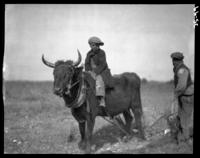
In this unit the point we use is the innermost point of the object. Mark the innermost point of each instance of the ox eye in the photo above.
(65, 75)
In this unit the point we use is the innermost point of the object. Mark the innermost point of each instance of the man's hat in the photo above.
(95, 40)
(177, 56)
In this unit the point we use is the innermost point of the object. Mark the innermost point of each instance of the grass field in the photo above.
(36, 121)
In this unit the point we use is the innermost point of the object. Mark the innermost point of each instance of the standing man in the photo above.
(96, 65)
(183, 96)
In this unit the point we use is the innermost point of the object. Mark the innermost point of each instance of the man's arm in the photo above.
(182, 82)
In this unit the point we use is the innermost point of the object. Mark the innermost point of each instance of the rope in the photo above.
(75, 84)
(148, 128)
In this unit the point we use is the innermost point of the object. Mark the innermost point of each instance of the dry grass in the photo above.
(36, 121)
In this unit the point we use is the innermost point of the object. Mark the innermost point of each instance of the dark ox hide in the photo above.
(77, 88)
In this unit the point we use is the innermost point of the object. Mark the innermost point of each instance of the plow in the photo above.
(118, 122)
(168, 116)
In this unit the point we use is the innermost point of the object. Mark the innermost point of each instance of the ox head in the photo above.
(63, 73)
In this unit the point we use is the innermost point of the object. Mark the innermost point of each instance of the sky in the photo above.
(137, 38)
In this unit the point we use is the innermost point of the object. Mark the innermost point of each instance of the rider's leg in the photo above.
(100, 90)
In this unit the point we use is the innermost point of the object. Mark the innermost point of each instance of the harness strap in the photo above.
(81, 93)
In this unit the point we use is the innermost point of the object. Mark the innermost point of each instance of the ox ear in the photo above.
(47, 62)
(78, 69)
(76, 63)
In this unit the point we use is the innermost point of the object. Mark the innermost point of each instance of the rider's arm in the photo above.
(87, 62)
(101, 65)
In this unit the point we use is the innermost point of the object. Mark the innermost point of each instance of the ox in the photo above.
(77, 88)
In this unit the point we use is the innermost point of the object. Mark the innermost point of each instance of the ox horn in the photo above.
(79, 59)
(47, 63)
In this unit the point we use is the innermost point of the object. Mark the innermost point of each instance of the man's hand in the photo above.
(174, 105)
(92, 74)
(172, 117)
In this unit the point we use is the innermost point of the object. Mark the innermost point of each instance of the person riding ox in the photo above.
(80, 90)
(96, 65)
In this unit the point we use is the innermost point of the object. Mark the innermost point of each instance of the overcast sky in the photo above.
(137, 38)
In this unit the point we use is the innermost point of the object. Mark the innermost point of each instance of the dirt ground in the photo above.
(37, 122)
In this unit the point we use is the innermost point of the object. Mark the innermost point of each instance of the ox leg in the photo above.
(138, 121)
(136, 108)
(89, 129)
(81, 144)
(128, 119)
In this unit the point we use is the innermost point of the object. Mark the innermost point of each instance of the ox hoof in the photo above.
(141, 137)
(127, 138)
(140, 134)
(88, 149)
(82, 145)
